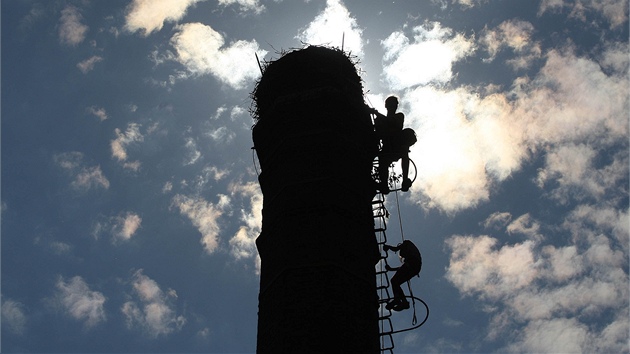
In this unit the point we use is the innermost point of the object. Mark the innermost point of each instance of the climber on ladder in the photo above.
(395, 143)
(411, 266)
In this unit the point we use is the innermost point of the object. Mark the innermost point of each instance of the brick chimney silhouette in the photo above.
(315, 143)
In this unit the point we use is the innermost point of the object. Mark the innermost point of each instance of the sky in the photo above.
(130, 201)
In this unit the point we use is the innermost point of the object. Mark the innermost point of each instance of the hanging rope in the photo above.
(414, 320)
(402, 235)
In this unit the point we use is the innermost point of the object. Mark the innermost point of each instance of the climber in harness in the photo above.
(411, 266)
(395, 143)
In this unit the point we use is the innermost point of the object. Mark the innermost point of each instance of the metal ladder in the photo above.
(380, 214)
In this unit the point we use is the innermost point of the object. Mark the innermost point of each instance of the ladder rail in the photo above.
(386, 328)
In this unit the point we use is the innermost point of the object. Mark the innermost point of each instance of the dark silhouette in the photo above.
(316, 145)
(412, 264)
(395, 143)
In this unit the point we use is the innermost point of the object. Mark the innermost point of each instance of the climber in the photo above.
(395, 143)
(411, 266)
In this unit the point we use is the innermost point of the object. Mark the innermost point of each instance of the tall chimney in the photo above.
(315, 143)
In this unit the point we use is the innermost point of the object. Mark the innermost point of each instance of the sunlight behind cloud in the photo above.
(332, 26)
(465, 144)
(128, 143)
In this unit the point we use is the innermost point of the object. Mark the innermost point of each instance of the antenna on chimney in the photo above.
(258, 61)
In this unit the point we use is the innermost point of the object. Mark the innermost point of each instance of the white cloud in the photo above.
(469, 3)
(120, 228)
(71, 30)
(585, 218)
(477, 265)
(202, 50)
(192, 153)
(222, 135)
(204, 216)
(544, 297)
(513, 34)
(237, 112)
(525, 225)
(465, 144)
(60, 248)
(217, 173)
(13, 317)
(333, 25)
(245, 5)
(150, 15)
(614, 11)
(575, 176)
(126, 226)
(88, 64)
(615, 57)
(497, 220)
(427, 58)
(572, 91)
(154, 313)
(99, 112)
(243, 243)
(122, 141)
(80, 302)
(90, 177)
(85, 178)
(554, 336)
(469, 141)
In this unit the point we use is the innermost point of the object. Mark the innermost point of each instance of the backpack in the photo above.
(408, 137)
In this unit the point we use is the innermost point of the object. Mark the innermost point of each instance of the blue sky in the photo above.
(130, 202)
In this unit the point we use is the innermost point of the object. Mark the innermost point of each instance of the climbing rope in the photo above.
(402, 235)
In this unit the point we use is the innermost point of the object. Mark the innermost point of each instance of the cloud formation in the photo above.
(152, 311)
(80, 302)
(201, 50)
(71, 30)
(126, 226)
(88, 64)
(148, 16)
(192, 152)
(245, 5)
(98, 112)
(85, 178)
(243, 243)
(204, 216)
(123, 141)
(471, 138)
(614, 11)
(515, 35)
(427, 57)
(333, 25)
(13, 316)
(556, 290)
